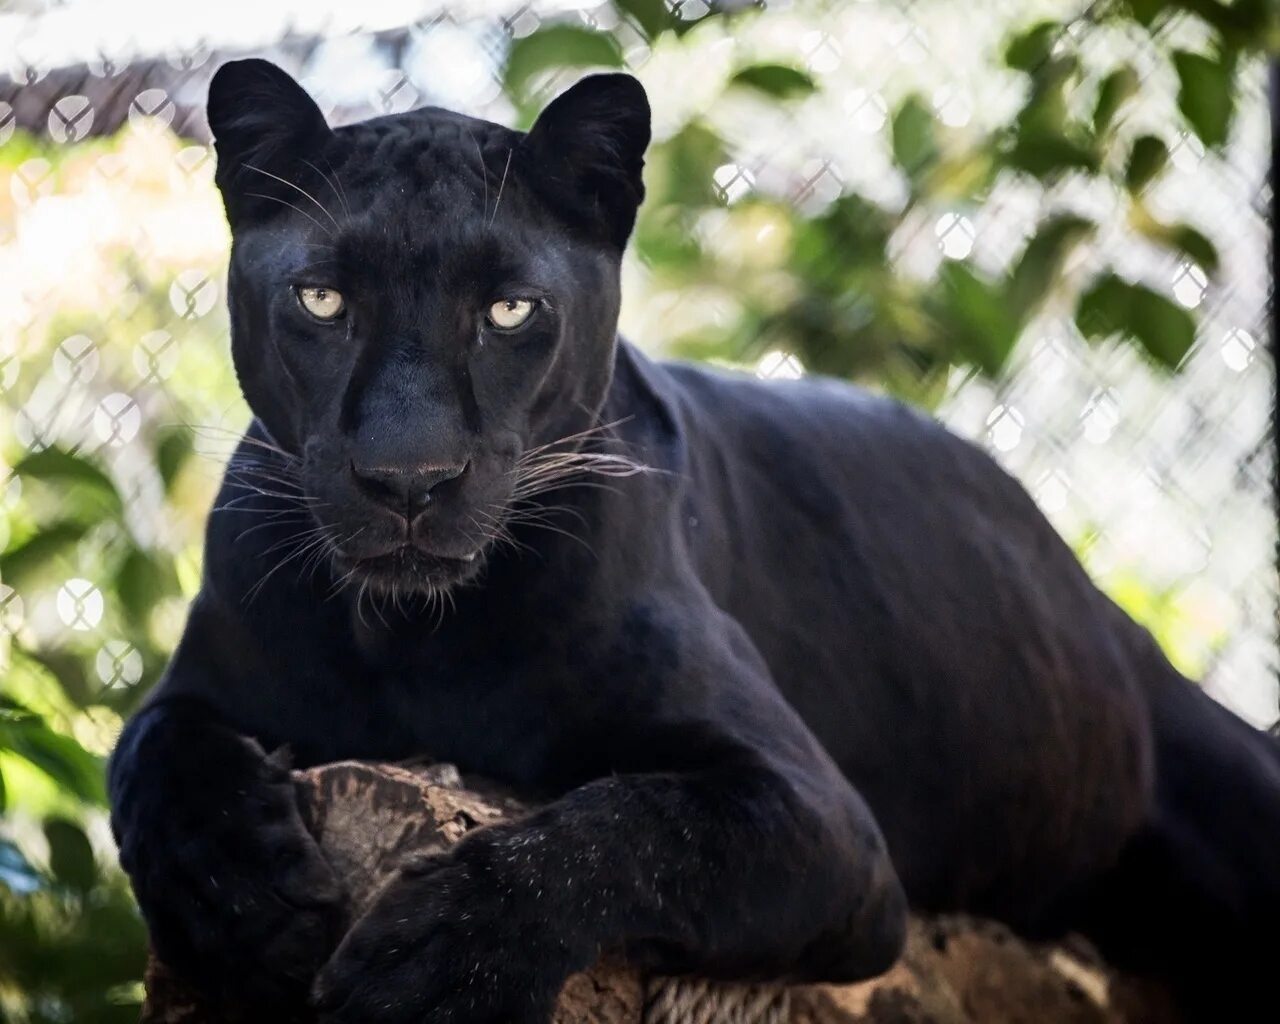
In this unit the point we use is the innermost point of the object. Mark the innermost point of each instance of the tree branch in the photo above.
(367, 817)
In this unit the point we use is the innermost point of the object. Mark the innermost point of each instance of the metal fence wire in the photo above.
(113, 333)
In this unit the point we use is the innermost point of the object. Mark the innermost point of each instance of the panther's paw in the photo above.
(243, 903)
(453, 940)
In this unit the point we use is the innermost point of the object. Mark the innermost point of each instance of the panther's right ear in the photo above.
(585, 154)
(264, 126)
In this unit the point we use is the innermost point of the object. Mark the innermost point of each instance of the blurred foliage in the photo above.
(833, 294)
(104, 366)
(111, 246)
(73, 945)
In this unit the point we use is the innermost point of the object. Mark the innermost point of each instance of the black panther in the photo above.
(782, 658)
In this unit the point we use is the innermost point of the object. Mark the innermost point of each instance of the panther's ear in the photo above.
(263, 124)
(585, 153)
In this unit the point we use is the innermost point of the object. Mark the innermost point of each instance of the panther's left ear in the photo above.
(264, 126)
(585, 153)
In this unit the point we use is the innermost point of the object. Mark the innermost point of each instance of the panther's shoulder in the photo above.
(714, 398)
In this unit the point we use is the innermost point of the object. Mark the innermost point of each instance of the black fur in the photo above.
(816, 653)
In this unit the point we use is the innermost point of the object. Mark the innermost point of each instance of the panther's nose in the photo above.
(404, 489)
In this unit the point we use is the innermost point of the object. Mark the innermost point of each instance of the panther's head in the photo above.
(420, 301)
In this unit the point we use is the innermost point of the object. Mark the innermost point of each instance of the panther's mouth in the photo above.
(410, 568)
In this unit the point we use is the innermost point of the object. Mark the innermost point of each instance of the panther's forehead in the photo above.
(434, 251)
(428, 156)
(416, 193)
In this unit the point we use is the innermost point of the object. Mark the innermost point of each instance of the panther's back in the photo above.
(930, 626)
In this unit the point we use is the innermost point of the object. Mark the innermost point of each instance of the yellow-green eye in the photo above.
(508, 314)
(322, 303)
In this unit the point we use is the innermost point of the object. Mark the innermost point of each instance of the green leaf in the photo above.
(79, 481)
(61, 465)
(117, 939)
(1029, 49)
(1242, 23)
(1040, 265)
(37, 558)
(16, 872)
(172, 452)
(653, 16)
(984, 328)
(664, 240)
(851, 236)
(1182, 237)
(781, 81)
(1116, 89)
(557, 46)
(961, 177)
(69, 669)
(70, 856)
(1196, 245)
(681, 170)
(57, 756)
(1049, 154)
(1113, 306)
(1206, 94)
(14, 711)
(1148, 157)
(915, 142)
(1146, 11)
(141, 581)
(1046, 112)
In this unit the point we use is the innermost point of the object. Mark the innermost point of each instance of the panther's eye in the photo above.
(322, 303)
(508, 314)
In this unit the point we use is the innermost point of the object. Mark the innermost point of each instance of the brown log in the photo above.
(367, 818)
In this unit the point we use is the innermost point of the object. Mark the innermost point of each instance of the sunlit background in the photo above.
(1043, 220)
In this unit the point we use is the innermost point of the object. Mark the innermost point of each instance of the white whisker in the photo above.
(341, 196)
(296, 188)
(285, 202)
(501, 185)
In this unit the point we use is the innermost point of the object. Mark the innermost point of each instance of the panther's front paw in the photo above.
(451, 941)
(244, 904)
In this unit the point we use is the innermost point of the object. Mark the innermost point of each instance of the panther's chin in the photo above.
(408, 570)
